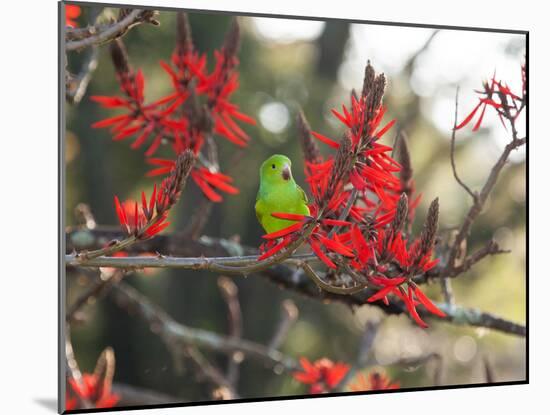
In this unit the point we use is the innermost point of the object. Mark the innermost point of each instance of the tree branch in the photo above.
(479, 203)
(80, 38)
(179, 335)
(287, 277)
(230, 295)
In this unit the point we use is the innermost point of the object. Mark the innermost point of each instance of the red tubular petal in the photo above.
(162, 101)
(140, 83)
(110, 121)
(288, 216)
(275, 249)
(206, 189)
(357, 181)
(380, 294)
(243, 117)
(110, 102)
(325, 140)
(136, 217)
(409, 302)
(173, 106)
(170, 72)
(478, 123)
(154, 145)
(142, 137)
(153, 199)
(468, 118)
(322, 256)
(144, 205)
(341, 118)
(426, 302)
(283, 232)
(161, 162)
(121, 214)
(219, 182)
(360, 244)
(335, 222)
(222, 129)
(384, 130)
(127, 132)
(158, 172)
(155, 229)
(234, 126)
(336, 246)
(383, 220)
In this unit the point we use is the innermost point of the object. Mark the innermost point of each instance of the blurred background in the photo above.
(286, 65)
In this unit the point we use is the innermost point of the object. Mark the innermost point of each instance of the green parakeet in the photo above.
(278, 192)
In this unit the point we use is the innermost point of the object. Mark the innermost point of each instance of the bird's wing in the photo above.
(304, 196)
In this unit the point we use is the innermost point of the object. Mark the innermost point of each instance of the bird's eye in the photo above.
(273, 166)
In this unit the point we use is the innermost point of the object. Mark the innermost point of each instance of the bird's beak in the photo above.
(286, 172)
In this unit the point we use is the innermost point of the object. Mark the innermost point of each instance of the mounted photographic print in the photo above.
(257, 207)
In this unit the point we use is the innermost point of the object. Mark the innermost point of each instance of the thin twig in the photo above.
(490, 248)
(289, 315)
(224, 388)
(77, 85)
(453, 163)
(230, 293)
(100, 287)
(362, 360)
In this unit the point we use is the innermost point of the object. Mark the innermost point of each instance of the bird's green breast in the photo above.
(285, 197)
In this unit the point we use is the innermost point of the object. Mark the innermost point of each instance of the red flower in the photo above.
(71, 14)
(412, 297)
(318, 239)
(148, 218)
(322, 375)
(374, 381)
(373, 169)
(509, 106)
(92, 389)
(167, 119)
(209, 182)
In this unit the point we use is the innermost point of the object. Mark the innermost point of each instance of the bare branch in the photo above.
(478, 205)
(100, 287)
(77, 85)
(362, 360)
(229, 293)
(179, 335)
(289, 315)
(80, 38)
(282, 274)
(133, 395)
